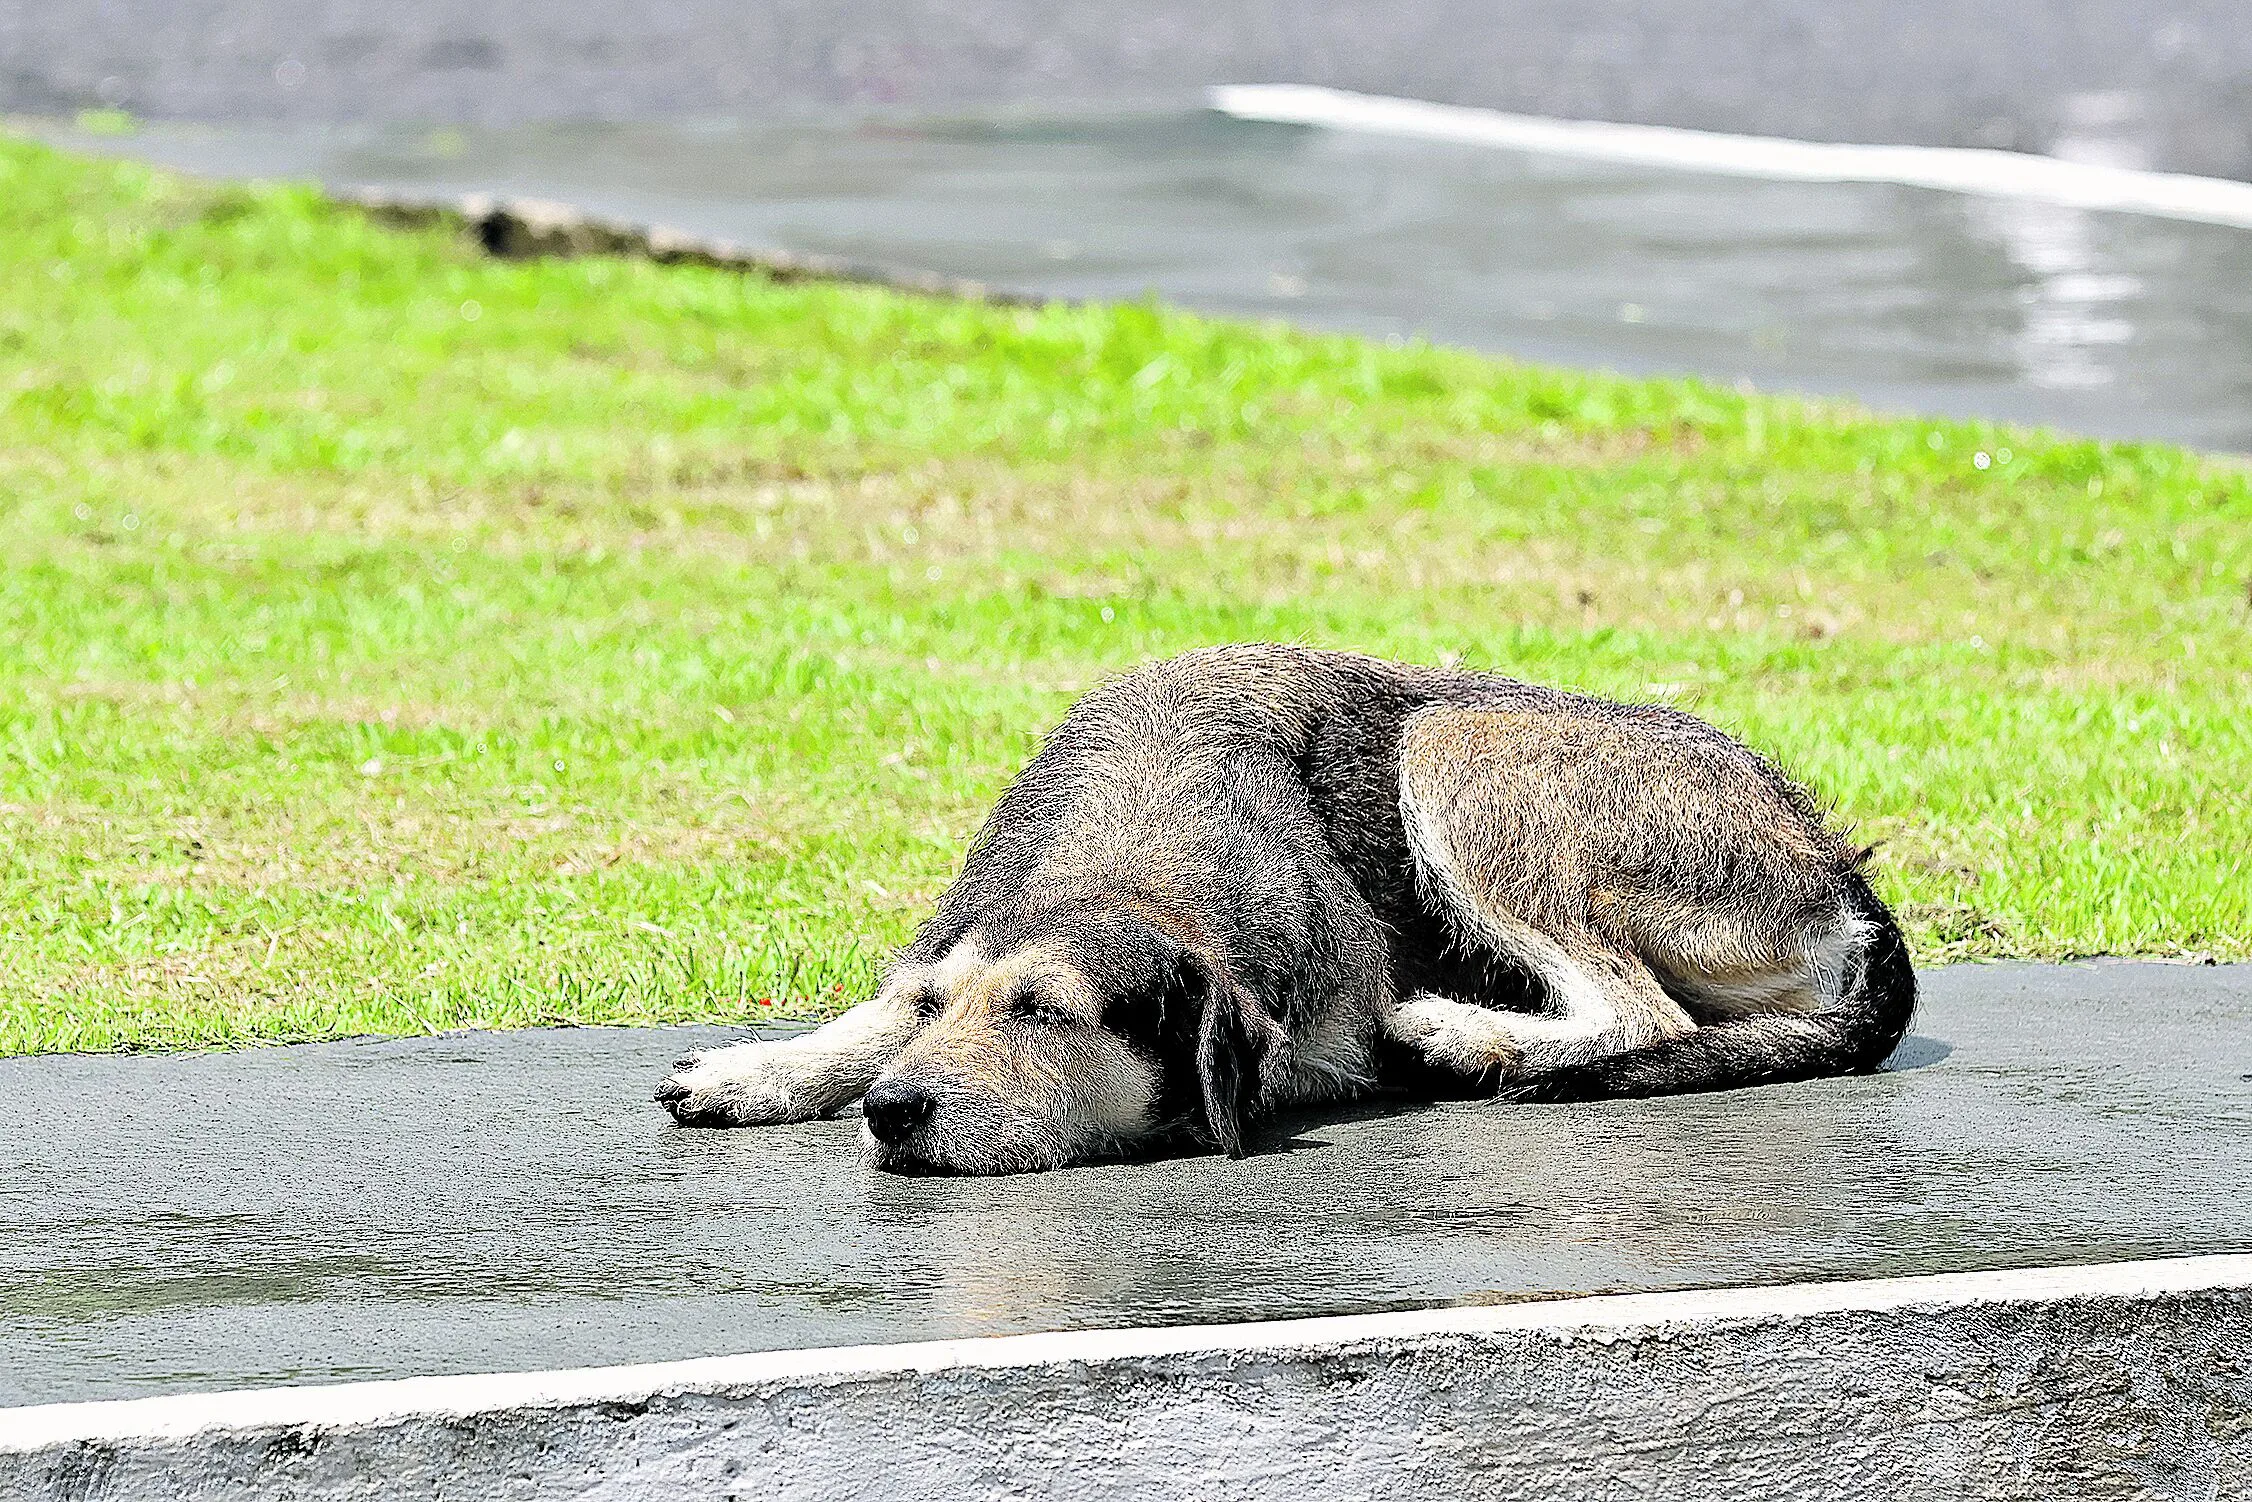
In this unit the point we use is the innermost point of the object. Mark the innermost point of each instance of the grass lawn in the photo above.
(392, 638)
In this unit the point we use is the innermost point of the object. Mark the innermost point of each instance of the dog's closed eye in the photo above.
(926, 1002)
(1029, 1004)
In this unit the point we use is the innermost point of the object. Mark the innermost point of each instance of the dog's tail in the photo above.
(1854, 1034)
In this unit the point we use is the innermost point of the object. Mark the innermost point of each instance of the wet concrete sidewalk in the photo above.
(497, 1201)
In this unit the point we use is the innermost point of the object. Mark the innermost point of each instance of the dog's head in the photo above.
(1075, 1036)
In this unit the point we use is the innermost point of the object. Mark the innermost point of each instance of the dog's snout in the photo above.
(895, 1108)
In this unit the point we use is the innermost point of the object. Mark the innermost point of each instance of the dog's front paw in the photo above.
(746, 1085)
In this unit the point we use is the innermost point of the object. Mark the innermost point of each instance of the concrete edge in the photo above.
(1601, 1321)
(530, 227)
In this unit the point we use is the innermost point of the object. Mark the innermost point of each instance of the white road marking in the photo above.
(1994, 174)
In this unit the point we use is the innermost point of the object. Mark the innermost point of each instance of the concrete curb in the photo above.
(2120, 1380)
(524, 227)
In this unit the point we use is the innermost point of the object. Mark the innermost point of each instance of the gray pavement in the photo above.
(499, 1201)
(2174, 75)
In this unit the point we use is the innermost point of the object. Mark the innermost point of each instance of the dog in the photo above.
(1259, 876)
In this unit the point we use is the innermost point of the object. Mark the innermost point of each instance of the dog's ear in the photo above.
(1234, 1036)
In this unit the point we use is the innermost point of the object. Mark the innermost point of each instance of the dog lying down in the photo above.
(1258, 876)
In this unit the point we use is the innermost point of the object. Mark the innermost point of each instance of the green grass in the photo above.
(392, 638)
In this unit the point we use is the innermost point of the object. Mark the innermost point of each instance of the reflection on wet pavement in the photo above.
(498, 1201)
(1910, 299)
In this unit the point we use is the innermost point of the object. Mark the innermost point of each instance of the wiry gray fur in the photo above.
(1262, 874)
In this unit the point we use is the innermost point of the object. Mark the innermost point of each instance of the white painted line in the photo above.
(1599, 1319)
(1997, 174)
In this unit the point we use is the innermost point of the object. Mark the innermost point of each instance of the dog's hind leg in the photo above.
(1494, 866)
(1839, 1009)
(1599, 1002)
(1694, 924)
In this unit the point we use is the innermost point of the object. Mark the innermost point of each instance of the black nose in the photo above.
(895, 1108)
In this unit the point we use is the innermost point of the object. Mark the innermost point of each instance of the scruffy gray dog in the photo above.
(1260, 875)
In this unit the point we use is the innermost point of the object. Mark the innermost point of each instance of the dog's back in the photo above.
(1340, 824)
(1182, 787)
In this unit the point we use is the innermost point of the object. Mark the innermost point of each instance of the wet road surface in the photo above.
(2166, 83)
(514, 1201)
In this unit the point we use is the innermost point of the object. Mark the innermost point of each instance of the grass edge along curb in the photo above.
(528, 227)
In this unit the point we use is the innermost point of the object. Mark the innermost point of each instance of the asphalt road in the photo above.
(2173, 78)
(497, 1201)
